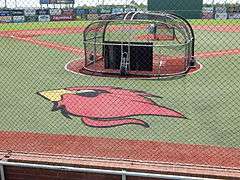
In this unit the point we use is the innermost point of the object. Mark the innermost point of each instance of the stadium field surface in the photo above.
(38, 64)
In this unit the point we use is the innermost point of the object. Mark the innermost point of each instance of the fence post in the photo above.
(2, 172)
(124, 177)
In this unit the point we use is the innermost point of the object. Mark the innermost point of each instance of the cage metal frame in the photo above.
(136, 17)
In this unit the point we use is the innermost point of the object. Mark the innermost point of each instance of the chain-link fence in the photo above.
(138, 81)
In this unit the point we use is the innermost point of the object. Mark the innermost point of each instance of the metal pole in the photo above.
(124, 177)
(2, 172)
(5, 2)
(99, 171)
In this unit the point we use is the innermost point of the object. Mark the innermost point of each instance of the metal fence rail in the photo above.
(124, 174)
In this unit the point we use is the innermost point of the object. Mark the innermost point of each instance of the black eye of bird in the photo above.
(91, 93)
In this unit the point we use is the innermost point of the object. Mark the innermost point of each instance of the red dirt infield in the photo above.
(74, 30)
(80, 51)
(218, 28)
(28, 36)
(152, 152)
(154, 37)
(77, 67)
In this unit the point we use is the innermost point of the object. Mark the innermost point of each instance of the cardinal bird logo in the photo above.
(107, 106)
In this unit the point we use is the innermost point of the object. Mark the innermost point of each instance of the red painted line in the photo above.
(54, 31)
(52, 45)
(73, 30)
(27, 35)
(38, 32)
(218, 53)
(218, 28)
(135, 150)
(80, 51)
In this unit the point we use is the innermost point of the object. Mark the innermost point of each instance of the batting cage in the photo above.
(139, 44)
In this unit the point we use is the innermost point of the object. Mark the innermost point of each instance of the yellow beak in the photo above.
(55, 95)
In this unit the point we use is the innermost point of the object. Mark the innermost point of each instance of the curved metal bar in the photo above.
(170, 45)
(178, 23)
(191, 30)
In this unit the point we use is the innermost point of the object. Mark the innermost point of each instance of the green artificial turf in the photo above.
(209, 99)
(214, 22)
(64, 24)
(75, 40)
(41, 25)
(214, 41)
